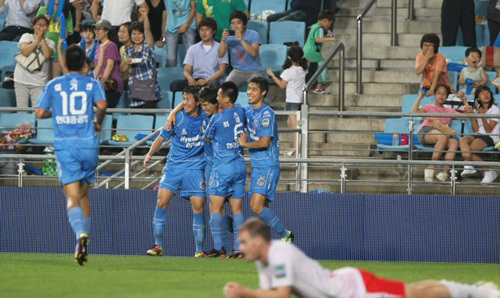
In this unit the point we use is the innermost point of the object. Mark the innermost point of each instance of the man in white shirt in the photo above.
(19, 15)
(285, 270)
(116, 12)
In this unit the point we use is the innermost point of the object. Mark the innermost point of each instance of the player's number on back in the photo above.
(238, 130)
(69, 103)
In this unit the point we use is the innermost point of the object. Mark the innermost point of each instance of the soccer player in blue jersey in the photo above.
(263, 144)
(184, 170)
(229, 171)
(69, 100)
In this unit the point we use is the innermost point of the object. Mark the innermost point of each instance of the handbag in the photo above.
(33, 62)
(144, 90)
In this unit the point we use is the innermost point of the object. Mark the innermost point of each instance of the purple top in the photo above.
(113, 54)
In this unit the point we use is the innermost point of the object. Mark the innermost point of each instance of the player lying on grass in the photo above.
(69, 100)
(285, 270)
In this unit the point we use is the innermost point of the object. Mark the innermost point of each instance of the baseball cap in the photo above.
(103, 24)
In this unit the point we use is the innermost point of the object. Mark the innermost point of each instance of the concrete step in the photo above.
(417, 4)
(386, 11)
(346, 124)
(378, 88)
(356, 100)
(375, 64)
(377, 76)
(382, 24)
(379, 51)
(384, 39)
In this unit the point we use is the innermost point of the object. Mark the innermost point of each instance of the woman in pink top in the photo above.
(429, 135)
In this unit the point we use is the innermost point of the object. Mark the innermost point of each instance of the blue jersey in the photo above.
(208, 149)
(262, 123)
(187, 142)
(71, 98)
(224, 129)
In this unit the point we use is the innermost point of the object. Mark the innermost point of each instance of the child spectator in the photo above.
(432, 64)
(88, 42)
(314, 43)
(474, 75)
(243, 45)
(436, 131)
(486, 131)
(124, 38)
(293, 78)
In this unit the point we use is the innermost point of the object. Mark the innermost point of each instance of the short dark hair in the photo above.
(432, 38)
(238, 14)
(256, 227)
(208, 94)
(473, 50)
(443, 86)
(75, 57)
(326, 14)
(128, 25)
(208, 22)
(87, 27)
(138, 26)
(230, 89)
(262, 82)
(195, 91)
(36, 19)
(482, 88)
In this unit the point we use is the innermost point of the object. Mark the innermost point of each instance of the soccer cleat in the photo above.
(487, 288)
(81, 255)
(236, 254)
(155, 251)
(429, 175)
(442, 176)
(489, 177)
(468, 171)
(217, 253)
(289, 239)
(202, 254)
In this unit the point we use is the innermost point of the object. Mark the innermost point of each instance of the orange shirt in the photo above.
(437, 63)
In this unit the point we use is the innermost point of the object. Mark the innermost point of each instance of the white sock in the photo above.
(458, 290)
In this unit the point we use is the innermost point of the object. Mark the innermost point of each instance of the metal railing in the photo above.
(359, 35)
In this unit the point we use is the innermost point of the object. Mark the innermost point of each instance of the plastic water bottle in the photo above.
(469, 83)
(395, 139)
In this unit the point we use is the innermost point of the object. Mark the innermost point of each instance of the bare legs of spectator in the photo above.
(470, 143)
(172, 40)
(26, 94)
(442, 142)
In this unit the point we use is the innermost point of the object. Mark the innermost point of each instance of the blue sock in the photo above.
(86, 224)
(199, 229)
(75, 219)
(272, 220)
(238, 220)
(159, 221)
(216, 228)
(225, 230)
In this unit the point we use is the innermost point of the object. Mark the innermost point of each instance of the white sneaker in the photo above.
(487, 288)
(468, 172)
(442, 176)
(489, 176)
(429, 175)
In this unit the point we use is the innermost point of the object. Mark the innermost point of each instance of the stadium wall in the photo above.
(418, 228)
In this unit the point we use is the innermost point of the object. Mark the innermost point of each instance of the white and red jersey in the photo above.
(289, 266)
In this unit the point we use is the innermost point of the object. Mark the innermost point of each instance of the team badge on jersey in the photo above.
(210, 181)
(279, 271)
(184, 132)
(202, 184)
(261, 181)
(265, 122)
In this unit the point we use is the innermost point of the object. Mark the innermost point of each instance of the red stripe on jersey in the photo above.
(375, 284)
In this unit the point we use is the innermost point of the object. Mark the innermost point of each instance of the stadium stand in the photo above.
(273, 55)
(258, 6)
(166, 75)
(261, 27)
(44, 133)
(9, 121)
(106, 131)
(131, 126)
(8, 50)
(166, 101)
(287, 31)
(7, 98)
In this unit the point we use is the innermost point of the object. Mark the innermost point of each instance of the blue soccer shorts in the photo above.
(191, 182)
(77, 165)
(265, 181)
(228, 178)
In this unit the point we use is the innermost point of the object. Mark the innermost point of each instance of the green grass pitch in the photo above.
(49, 275)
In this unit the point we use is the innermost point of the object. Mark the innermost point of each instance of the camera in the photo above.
(231, 32)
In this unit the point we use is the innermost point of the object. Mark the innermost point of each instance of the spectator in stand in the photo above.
(432, 64)
(486, 132)
(472, 76)
(436, 131)
(88, 42)
(301, 10)
(143, 49)
(493, 16)
(293, 78)
(314, 42)
(202, 65)
(29, 85)
(180, 21)
(124, 38)
(54, 32)
(454, 14)
(220, 11)
(78, 6)
(19, 15)
(116, 12)
(158, 18)
(107, 61)
(243, 47)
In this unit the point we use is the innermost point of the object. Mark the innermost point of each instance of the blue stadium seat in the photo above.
(491, 76)
(5, 70)
(392, 126)
(181, 54)
(261, 27)
(409, 100)
(166, 101)
(166, 75)
(44, 133)
(7, 98)
(242, 99)
(8, 50)
(453, 77)
(177, 99)
(287, 31)
(123, 103)
(258, 6)
(9, 121)
(107, 125)
(132, 125)
(453, 53)
(161, 56)
(273, 55)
